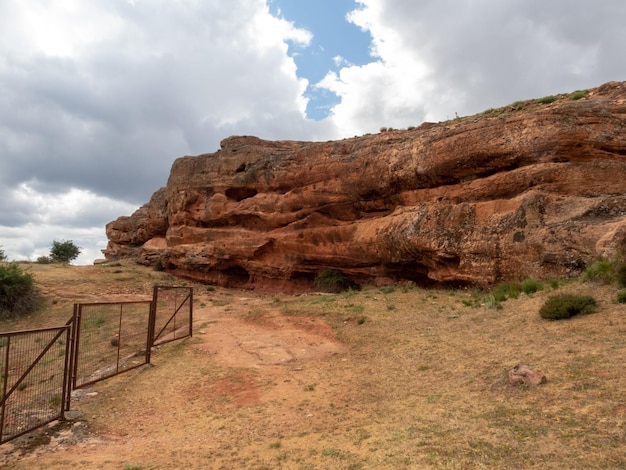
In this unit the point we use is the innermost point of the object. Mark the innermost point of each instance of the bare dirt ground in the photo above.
(381, 378)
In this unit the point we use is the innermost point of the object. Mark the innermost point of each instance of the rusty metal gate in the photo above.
(41, 367)
(172, 313)
(33, 385)
(111, 338)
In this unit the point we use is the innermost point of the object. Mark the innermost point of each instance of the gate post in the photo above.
(151, 323)
(70, 358)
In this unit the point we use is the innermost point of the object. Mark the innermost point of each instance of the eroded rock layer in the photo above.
(532, 189)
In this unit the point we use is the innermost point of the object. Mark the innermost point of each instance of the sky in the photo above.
(98, 98)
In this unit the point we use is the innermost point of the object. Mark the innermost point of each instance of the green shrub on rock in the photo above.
(561, 306)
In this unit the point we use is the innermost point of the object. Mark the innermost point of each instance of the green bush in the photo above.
(561, 306)
(3, 257)
(64, 251)
(44, 260)
(18, 294)
(530, 286)
(621, 297)
(331, 280)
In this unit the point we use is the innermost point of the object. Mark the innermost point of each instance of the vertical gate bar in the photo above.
(119, 340)
(4, 388)
(191, 311)
(78, 321)
(151, 323)
(65, 394)
(69, 365)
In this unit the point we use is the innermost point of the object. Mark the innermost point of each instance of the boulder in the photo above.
(522, 375)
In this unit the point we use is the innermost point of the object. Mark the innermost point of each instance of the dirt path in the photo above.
(265, 365)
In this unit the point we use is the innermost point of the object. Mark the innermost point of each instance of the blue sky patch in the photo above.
(333, 36)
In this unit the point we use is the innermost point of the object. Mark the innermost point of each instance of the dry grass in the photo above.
(421, 384)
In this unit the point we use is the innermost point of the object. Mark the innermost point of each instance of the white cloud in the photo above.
(98, 98)
(76, 215)
(435, 59)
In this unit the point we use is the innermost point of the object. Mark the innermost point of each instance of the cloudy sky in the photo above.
(98, 97)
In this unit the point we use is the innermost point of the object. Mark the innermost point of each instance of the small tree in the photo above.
(3, 257)
(64, 251)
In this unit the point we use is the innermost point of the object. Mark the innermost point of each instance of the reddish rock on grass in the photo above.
(522, 375)
(526, 190)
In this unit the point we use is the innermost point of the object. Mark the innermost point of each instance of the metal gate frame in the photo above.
(49, 396)
(158, 337)
(72, 332)
(118, 367)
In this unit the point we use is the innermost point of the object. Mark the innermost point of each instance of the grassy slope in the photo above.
(422, 384)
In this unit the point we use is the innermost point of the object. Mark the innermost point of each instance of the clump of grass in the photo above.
(331, 280)
(621, 297)
(562, 306)
(492, 302)
(356, 308)
(530, 286)
(606, 271)
(600, 271)
(507, 290)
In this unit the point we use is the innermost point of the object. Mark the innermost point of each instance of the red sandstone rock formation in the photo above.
(530, 189)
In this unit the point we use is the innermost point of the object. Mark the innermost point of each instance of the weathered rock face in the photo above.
(527, 190)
